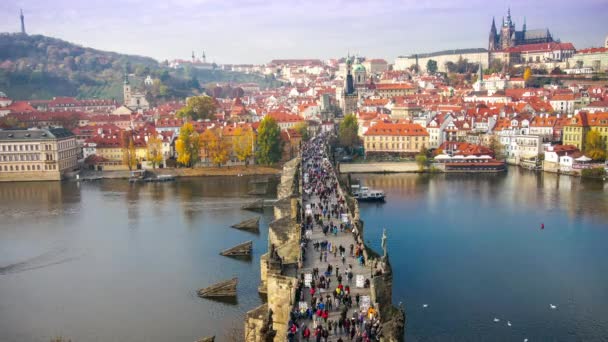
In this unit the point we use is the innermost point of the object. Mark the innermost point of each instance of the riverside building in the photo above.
(37, 154)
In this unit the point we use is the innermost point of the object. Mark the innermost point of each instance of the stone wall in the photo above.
(29, 176)
(278, 266)
(392, 318)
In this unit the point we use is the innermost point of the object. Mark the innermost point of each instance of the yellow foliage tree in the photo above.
(527, 74)
(128, 150)
(219, 150)
(243, 144)
(187, 145)
(595, 148)
(154, 152)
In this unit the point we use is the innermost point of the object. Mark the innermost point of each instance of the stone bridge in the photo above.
(282, 266)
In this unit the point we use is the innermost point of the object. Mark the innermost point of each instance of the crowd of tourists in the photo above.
(329, 288)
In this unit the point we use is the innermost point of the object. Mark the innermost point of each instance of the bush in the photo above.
(596, 172)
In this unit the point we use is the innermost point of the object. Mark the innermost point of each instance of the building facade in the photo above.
(442, 58)
(398, 138)
(36, 155)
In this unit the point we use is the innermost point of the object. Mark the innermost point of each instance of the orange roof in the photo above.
(396, 129)
(593, 50)
(598, 119)
(563, 97)
(393, 86)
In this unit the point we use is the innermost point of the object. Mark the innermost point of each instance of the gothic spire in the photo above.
(493, 28)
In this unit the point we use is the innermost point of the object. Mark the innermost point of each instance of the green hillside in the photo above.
(40, 67)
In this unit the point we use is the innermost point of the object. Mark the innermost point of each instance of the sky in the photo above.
(257, 31)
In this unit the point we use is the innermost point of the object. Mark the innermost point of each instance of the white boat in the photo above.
(366, 194)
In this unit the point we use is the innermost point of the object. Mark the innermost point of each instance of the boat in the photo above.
(364, 193)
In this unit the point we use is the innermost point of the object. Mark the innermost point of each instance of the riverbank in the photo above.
(187, 172)
(380, 167)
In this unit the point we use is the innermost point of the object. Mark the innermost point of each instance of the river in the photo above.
(472, 249)
(111, 261)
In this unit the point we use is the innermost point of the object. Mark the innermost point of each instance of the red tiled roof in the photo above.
(593, 50)
(540, 47)
(396, 129)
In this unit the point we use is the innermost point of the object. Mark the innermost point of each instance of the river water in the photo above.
(110, 261)
(471, 247)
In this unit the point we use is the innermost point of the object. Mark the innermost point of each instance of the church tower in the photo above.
(349, 96)
(492, 41)
(507, 32)
(22, 23)
(126, 88)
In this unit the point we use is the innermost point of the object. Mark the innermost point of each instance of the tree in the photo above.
(219, 149)
(269, 144)
(431, 66)
(243, 144)
(497, 148)
(302, 128)
(128, 150)
(594, 146)
(187, 145)
(155, 151)
(198, 107)
(527, 74)
(348, 132)
(421, 160)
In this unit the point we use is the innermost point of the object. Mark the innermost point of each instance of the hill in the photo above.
(40, 67)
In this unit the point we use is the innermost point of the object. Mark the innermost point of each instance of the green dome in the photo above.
(359, 67)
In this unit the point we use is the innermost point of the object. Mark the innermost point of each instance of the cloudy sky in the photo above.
(256, 31)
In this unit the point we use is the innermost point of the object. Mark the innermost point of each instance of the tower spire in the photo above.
(524, 27)
(22, 22)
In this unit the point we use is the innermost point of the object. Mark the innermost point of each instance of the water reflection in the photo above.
(472, 246)
(110, 260)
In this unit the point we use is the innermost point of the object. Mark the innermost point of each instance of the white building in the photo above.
(518, 147)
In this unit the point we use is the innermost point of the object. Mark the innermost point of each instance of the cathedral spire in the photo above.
(493, 28)
(22, 22)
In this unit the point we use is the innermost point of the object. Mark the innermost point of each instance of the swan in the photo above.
(525, 340)
(509, 323)
(425, 305)
(496, 320)
(553, 307)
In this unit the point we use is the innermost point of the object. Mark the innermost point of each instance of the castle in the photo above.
(508, 37)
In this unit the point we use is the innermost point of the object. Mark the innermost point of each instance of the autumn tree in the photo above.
(154, 152)
(497, 148)
(129, 157)
(243, 144)
(594, 146)
(269, 144)
(302, 128)
(219, 149)
(422, 159)
(348, 132)
(198, 107)
(527, 74)
(187, 145)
